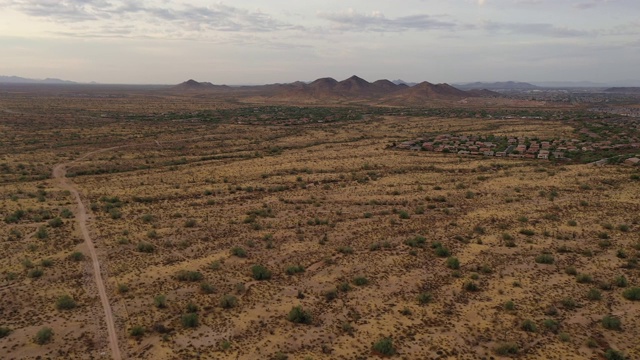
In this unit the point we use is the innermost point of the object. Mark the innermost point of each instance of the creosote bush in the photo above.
(611, 322)
(65, 302)
(384, 347)
(632, 294)
(228, 301)
(43, 336)
(298, 315)
(260, 272)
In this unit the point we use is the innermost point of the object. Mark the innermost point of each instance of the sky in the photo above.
(269, 41)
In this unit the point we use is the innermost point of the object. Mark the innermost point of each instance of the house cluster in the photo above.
(514, 147)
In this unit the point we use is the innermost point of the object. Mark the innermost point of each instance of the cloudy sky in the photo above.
(251, 41)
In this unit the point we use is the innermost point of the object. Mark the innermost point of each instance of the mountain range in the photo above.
(21, 80)
(351, 89)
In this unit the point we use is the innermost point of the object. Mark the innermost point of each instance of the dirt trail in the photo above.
(59, 172)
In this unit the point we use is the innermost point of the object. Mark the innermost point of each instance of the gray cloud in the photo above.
(376, 21)
(217, 17)
(539, 29)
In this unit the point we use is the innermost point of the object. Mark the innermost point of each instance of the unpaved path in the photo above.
(59, 172)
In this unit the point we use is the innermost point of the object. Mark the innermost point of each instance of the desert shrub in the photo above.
(207, 288)
(572, 223)
(160, 301)
(184, 275)
(115, 214)
(551, 325)
(344, 287)
(509, 305)
(611, 323)
(46, 262)
(594, 294)
(330, 295)
(471, 286)
(294, 269)
(152, 234)
(424, 298)
(66, 213)
(375, 247)
(632, 294)
(360, 281)
(584, 278)
(523, 219)
(35, 273)
(453, 263)
(621, 281)
(527, 232)
(571, 271)
(228, 301)
(137, 331)
(260, 272)
(443, 252)
(239, 252)
(569, 303)
(298, 315)
(612, 354)
(190, 223)
(189, 320)
(4, 332)
(564, 337)
(528, 326)
(345, 250)
(404, 214)
(145, 247)
(76, 256)
(55, 222)
(544, 259)
(147, 218)
(384, 347)
(417, 241)
(42, 233)
(123, 288)
(623, 227)
(65, 302)
(43, 336)
(507, 348)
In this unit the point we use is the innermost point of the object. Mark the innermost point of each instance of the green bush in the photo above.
(571, 271)
(404, 214)
(76, 256)
(509, 305)
(46, 262)
(384, 347)
(42, 233)
(65, 302)
(360, 281)
(505, 349)
(145, 247)
(583, 278)
(160, 301)
(594, 294)
(528, 326)
(612, 354)
(4, 332)
(551, 325)
(43, 336)
(228, 301)
(545, 259)
(611, 322)
(35, 273)
(207, 288)
(632, 294)
(621, 281)
(443, 252)
(298, 315)
(344, 287)
(189, 320)
(471, 286)
(527, 232)
(424, 298)
(137, 331)
(184, 275)
(66, 213)
(260, 272)
(453, 263)
(55, 222)
(239, 252)
(331, 295)
(292, 270)
(190, 223)
(417, 241)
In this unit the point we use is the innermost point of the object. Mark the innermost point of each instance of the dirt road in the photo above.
(59, 172)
